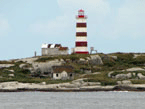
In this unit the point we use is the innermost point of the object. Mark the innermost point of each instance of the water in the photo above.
(72, 100)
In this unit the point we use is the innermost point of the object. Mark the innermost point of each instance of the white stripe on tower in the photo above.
(81, 34)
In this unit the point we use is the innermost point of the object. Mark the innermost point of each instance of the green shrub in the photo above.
(44, 59)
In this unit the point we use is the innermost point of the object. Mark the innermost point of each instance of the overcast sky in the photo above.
(113, 25)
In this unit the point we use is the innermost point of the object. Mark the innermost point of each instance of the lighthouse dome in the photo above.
(81, 10)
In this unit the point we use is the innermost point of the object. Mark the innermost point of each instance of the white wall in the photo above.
(81, 29)
(60, 75)
(81, 49)
(81, 38)
(82, 20)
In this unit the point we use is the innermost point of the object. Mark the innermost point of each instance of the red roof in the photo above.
(81, 10)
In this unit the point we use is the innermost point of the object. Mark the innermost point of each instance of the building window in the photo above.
(57, 75)
(70, 75)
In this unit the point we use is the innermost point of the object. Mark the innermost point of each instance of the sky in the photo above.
(113, 25)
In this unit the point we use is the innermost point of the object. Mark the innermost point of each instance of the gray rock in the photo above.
(95, 60)
(22, 65)
(6, 65)
(140, 76)
(87, 71)
(45, 66)
(11, 70)
(88, 58)
(129, 75)
(114, 57)
(126, 82)
(43, 83)
(96, 73)
(82, 61)
(11, 75)
(110, 73)
(135, 69)
(80, 81)
(121, 76)
(119, 82)
(134, 74)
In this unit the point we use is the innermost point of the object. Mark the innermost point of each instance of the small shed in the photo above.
(62, 72)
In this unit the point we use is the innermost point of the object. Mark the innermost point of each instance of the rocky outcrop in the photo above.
(45, 66)
(114, 57)
(6, 65)
(140, 76)
(22, 65)
(95, 60)
(135, 69)
(110, 74)
(82, 61)
(11, 75)
(126, 82)
(74, 84)
(27, 60)
(123, 76)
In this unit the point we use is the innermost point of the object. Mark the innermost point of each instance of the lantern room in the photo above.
(81, 14)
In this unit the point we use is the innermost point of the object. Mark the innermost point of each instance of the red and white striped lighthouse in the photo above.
(81, 34)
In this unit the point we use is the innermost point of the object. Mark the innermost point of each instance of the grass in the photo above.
(72, 57)
(138, 81)
(103, 78)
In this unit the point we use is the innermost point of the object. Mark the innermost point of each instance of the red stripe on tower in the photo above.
(81, 44)
(81, 34)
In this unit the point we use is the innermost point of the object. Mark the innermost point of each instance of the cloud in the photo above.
(104, 20)
(66, 22)
(128, 22)
(92, 6)
(4, 26)
(51, 27)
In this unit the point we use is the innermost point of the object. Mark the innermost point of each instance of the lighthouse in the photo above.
(81, 33)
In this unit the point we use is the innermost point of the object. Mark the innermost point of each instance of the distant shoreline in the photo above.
(116, 88)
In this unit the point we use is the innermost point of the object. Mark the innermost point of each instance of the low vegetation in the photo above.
(123, 61)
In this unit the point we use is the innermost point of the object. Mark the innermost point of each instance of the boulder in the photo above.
(95, 60)
(11, 75)
(45, 66)
(119, 82)
(87, 71)
(129, 75)
(114, 57)
(140, 76)
(22, 65)
(43, 83)
(88, 58)
(96, 73)
(135, 69)
(11, 70)
(121, 76)
(80, 81)
(126, 82)
(82, 61)
(110, 73)
(6, 65)
(134, 74)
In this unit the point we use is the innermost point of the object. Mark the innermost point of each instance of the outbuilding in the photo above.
(62, 72)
